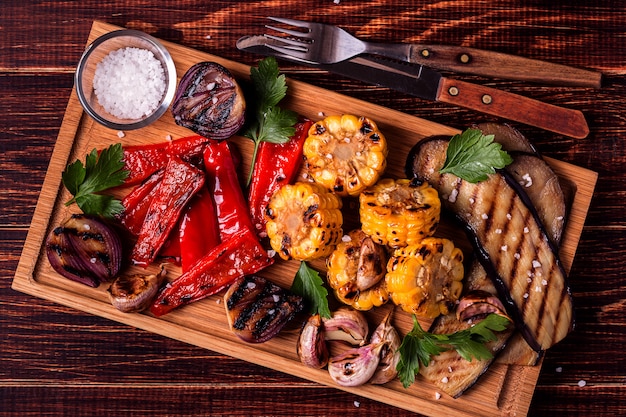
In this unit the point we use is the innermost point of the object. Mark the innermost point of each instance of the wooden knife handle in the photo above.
(498, 65)
(513, 107)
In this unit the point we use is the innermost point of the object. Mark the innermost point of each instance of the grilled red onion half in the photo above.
(85, 249)
(209, 101)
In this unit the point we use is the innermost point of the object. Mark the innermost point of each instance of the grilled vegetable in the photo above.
(543, 187)
(425, 279)
(345, 154)
(181, 181)
(399, 212)
(449, 371)
(85, 249)
(312, 348)
(258, 309)
(386, 334)
(209, 101)
(356, 271)
(304, 221)
(134, 293)
(356, 366)
(346, 325)
(510, 242)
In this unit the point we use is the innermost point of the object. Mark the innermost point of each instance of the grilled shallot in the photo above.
(258, 309)
(134, 293)
(312, 348)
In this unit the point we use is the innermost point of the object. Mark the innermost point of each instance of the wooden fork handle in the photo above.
(498, 65)
(513, 107)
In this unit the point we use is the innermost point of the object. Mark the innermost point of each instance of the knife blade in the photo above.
(425, 83)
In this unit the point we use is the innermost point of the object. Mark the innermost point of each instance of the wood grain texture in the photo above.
(73, 363)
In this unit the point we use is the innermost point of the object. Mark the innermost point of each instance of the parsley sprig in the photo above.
(309, 285)
(418, 346)
(473, 156)
(271, 123)
(99, 173)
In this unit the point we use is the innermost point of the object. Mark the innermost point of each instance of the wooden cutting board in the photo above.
(503, 390)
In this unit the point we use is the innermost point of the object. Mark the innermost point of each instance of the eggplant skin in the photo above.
(209, 101)
(510, 242)
(258, 309)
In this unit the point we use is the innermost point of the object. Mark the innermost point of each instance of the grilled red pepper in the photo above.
(137, 202)
(143, 160)
(180, 182)
(230, 203)
(221, 266)
(276, 164)
(199, 229)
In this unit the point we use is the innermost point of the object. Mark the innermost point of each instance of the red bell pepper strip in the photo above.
(137, 202)
(276, 164)
(180, 182)
(199, 229)
(221, 266)
(143, 160)
(230, 203)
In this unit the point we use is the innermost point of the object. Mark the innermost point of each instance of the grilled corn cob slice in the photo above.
(304, 221)
(425, 279)
(356, 271)
(345, 154)
(399, 212)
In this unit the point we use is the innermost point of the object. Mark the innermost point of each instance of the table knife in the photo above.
(425, 83)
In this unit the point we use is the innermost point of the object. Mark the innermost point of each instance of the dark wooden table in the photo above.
(58, 361)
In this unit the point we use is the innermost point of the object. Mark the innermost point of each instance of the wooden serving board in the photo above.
(503, 390)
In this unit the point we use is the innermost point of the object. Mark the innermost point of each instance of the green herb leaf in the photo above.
(309, 285)
(473, 156)
(99, 173)
(271, 123)
(418, 346)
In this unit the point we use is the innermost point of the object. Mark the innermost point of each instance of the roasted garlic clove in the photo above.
(478, 304)
(312, 348)
(356, 366)
(134, 293)
(386, 334)
(346, 325)
(372, 264)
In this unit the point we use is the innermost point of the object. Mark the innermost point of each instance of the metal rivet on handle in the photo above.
(425, 53)
(464, 58)
(486, 99)
(453, 91)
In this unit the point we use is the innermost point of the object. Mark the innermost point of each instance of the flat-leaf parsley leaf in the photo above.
(309, 285)
(473, 156)
(271, 123)
(99, 173)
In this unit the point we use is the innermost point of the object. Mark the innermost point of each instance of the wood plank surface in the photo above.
(63, 362)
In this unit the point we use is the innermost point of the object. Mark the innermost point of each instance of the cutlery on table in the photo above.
(428, 84)
(327, 44)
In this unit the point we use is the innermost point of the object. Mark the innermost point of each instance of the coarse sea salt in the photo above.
(129, 83)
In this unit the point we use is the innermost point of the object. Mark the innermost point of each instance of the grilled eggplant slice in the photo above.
(510, 243)
(258, 309)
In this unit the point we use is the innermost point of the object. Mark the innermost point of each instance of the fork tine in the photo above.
(289, 31)
(292, 22)
(289, 43)
(289, 52)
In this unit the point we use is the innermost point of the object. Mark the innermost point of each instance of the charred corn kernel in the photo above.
(399, 212)
(356, 271)
(304, 221)
(345, 154)
(425, 279)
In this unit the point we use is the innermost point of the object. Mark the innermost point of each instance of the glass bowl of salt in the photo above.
(125, 79)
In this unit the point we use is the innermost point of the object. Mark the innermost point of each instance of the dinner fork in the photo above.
(326, 44)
